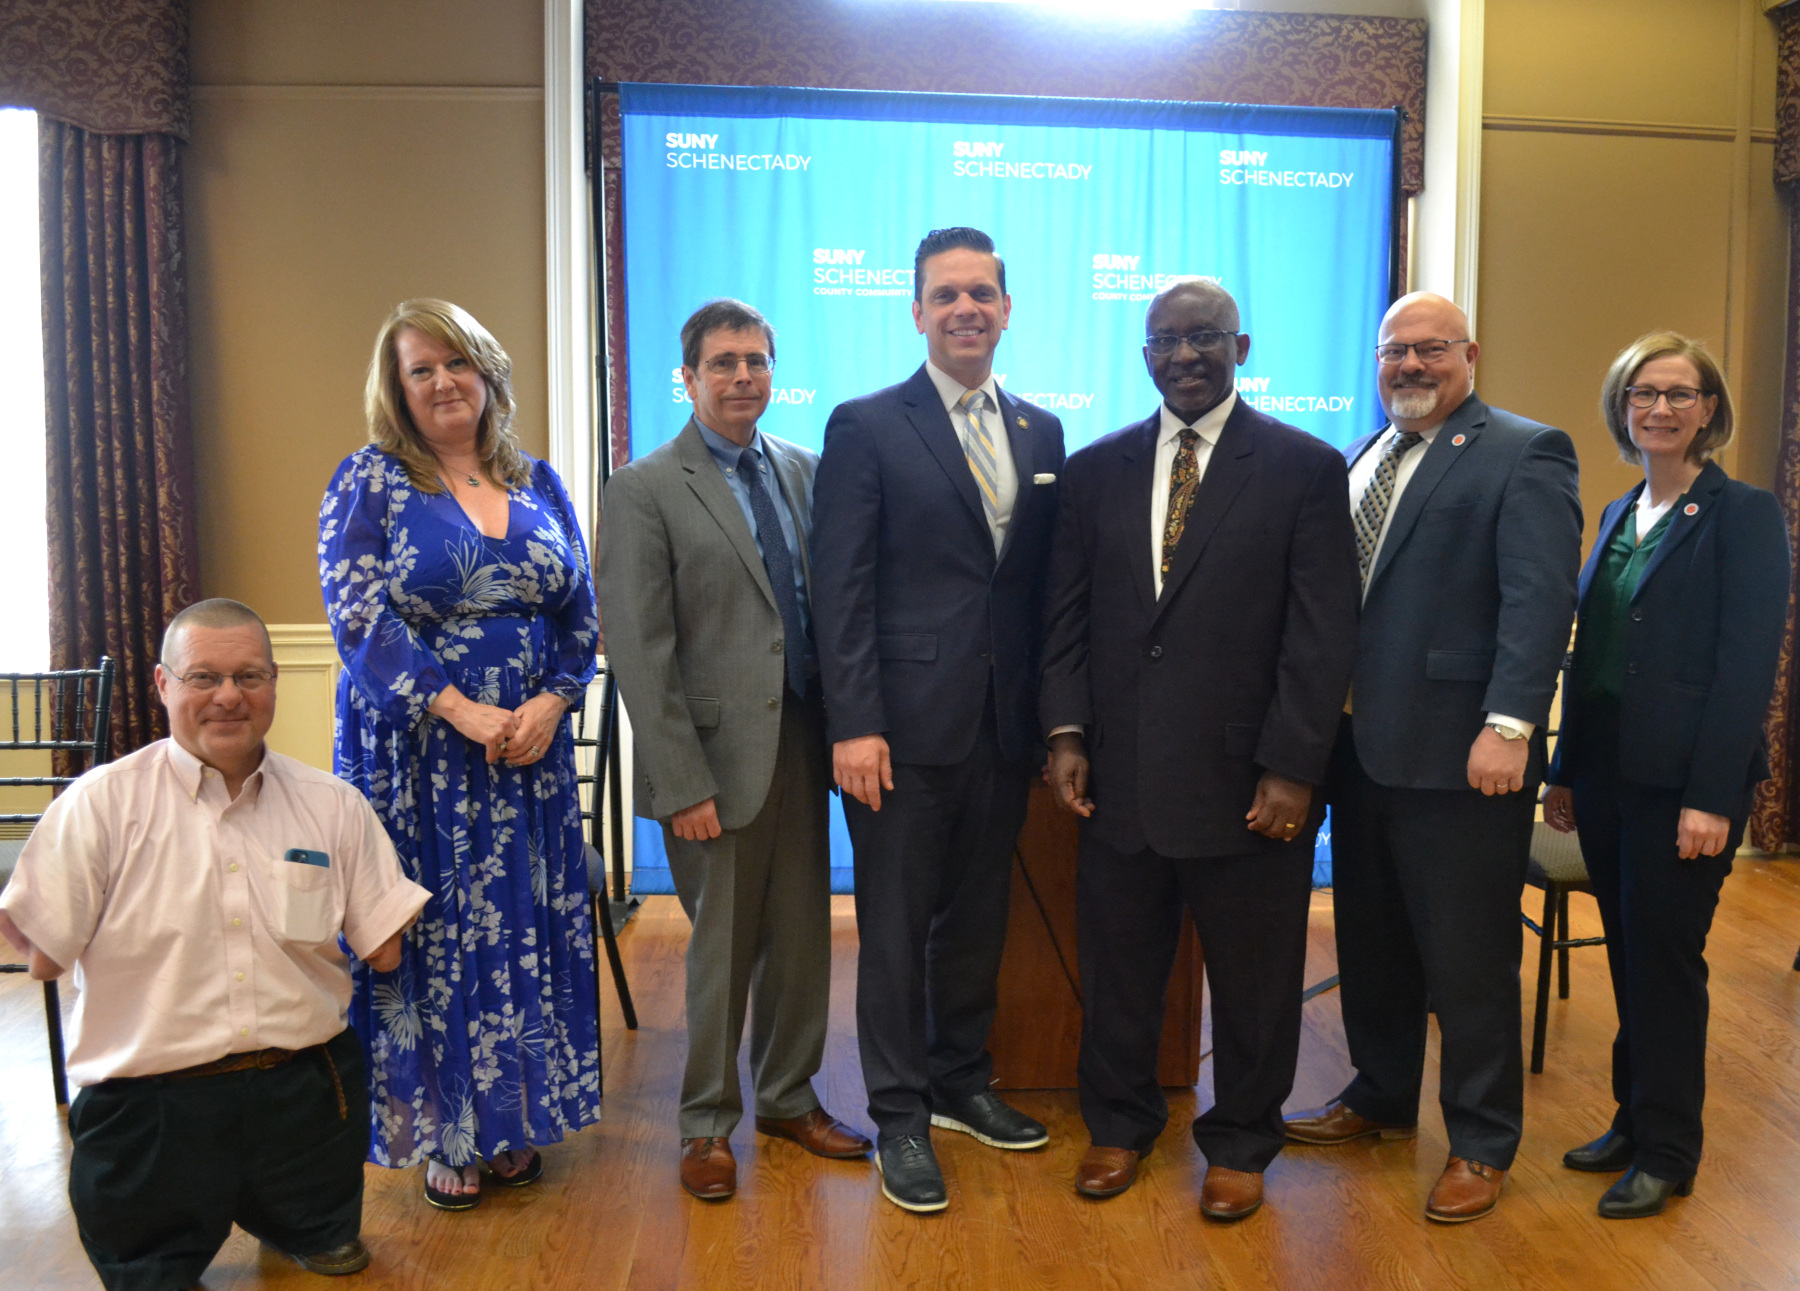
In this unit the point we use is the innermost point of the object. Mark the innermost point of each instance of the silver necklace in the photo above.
(473, 482)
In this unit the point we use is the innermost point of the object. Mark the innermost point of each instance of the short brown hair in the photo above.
(391, 426)
(1661, 345)
(721, 315)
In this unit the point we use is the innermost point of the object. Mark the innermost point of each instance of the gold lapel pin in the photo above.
(1023, 423)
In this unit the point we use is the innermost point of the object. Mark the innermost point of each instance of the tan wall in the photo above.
(345, 156)
(1597, 225)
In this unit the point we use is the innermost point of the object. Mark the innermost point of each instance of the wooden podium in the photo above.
(1037, 1030)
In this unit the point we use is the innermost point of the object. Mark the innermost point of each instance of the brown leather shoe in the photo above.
(1466, 1190)
(708, 1170)
(819, 1132)
(1230, 1194)
(1335, 1123)
(1107, 1172)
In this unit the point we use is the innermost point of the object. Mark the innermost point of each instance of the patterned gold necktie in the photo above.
(978, 447)
(1371, 511)
(1184, 481)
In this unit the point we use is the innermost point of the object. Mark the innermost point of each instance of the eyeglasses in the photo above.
(249, 681)
(1428, 351)
(1680, 398)
(1204, 339)
(725, 365)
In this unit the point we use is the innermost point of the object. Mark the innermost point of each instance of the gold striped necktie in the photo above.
(978, 447)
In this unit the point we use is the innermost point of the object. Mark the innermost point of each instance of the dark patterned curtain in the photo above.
(1305, 60)
(121, 479)
(1777, 810)
(109, 79)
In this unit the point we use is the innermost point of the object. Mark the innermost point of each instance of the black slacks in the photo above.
(933, 882)
(1657, 910)
(1426, 885)
(163, 1167)
(1250, 912)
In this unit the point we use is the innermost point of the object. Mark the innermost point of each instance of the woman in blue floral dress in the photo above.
(458, 591)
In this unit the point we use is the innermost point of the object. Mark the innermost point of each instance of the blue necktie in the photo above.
(779, 562)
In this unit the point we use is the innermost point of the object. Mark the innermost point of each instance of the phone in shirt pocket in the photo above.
(303, 903)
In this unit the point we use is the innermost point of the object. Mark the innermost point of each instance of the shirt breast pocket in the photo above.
(303, 905)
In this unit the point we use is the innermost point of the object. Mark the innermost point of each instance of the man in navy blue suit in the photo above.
(1468, 532)
(933, 509)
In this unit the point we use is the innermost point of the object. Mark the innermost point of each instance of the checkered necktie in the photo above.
(1371, 512)
(1184, 481)
(978, 447)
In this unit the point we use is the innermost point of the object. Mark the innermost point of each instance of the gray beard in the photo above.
(1412, 403)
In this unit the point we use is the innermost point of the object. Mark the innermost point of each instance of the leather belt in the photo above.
(263, 1060)
(255, 1060)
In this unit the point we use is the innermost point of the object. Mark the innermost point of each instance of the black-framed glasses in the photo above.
(249, 681)
(725, 365)
(1204, 339)
(1428, 351)
(1680, 398)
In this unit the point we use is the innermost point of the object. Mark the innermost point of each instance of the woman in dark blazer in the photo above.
(1682, 605)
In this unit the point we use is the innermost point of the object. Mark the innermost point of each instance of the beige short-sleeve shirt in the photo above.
(199, 926)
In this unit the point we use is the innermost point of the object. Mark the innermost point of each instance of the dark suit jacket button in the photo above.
(1156, 652)
(1637, 616)
(982, 653)
(1631, 668)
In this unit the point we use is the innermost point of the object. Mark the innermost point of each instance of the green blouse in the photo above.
(1600, 645)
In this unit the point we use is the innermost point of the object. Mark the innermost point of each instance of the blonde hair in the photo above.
(391, 426)
(1714, 435)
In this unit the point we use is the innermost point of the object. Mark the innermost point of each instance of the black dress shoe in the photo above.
(1639, 1195)
(989, 1120)
(1611, 1151)
(909, 1172)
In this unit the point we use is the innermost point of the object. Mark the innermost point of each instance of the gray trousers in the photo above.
(759, 898)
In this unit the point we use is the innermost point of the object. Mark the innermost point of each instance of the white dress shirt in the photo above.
(1362, 471)
(1006, 475)
(190, 934)
(1168, 442)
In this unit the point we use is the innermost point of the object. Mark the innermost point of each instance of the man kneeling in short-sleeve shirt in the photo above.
(198, 887)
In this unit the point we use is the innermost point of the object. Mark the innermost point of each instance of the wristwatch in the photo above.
(1507, 733)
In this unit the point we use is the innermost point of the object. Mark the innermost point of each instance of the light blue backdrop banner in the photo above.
(809, 204)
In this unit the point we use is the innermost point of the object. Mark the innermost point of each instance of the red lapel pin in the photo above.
(1460, 440)
(1691, 509)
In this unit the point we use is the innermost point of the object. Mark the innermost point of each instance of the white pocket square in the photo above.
(1043, 479)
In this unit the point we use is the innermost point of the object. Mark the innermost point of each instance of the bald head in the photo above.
(1419, 393)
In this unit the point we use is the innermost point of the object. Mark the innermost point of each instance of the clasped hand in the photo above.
(518, 736)
(1278, 811)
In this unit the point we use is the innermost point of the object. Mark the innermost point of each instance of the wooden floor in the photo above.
(609, 1212)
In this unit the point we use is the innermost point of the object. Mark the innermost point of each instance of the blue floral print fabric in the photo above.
(485, 1038)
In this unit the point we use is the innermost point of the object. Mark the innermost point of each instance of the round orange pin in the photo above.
(1460, 440)
(1691, 509)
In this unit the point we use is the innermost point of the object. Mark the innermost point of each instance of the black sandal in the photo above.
(529, 1174)
(449, 1200)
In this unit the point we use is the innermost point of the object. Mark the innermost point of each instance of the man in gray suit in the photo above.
(703, 583)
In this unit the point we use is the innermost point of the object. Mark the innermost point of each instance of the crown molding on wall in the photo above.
(370, 93)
